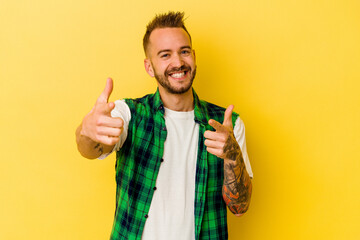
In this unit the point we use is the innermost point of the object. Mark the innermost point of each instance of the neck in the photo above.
(178, 102)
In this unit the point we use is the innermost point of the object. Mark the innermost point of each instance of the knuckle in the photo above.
(114, 140)
(121, 122)
(118, 132)
(209, 150)
(206, 134)
(99, 121)
(108, 141)
(220, 152)
(97, 138)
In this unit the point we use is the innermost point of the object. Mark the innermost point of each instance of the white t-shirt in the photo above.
(171, 214)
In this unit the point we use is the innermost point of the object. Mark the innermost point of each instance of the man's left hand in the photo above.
(222, 142)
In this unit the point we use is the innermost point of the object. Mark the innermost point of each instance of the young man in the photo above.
(179, 160)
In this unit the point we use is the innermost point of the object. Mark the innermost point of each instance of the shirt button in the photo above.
(162, 160)
(154, 188)
(164, 128)
(146, 216)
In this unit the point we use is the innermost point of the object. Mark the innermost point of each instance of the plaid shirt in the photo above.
(138, 163)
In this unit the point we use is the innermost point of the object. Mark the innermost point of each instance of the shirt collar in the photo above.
(157, 103)
(199, 109)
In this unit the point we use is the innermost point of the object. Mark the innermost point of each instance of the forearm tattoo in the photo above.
(231, 148)
(99, 148)
(237, 183)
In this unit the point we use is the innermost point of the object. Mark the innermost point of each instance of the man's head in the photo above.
(169, 54)
(166, 20)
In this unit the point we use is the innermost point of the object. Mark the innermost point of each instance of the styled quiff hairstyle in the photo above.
(165, 20)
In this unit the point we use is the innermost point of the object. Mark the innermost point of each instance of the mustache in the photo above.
(175, 69)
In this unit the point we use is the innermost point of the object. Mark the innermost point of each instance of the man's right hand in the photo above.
(98, 125)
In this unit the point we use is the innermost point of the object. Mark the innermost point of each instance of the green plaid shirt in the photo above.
(138, 163)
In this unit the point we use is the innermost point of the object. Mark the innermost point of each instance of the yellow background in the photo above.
(291, 68)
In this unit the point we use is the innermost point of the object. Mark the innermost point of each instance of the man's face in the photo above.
(171, 59)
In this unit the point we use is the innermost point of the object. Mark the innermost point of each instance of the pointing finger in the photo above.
(216, 125)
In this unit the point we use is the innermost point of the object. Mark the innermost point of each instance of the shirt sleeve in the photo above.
(239, 132)
(121, 110)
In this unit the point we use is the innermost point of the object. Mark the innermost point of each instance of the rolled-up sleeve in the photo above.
(239, 132)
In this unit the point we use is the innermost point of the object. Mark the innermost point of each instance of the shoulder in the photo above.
(212, 108)
(139, 104)
(214, 111)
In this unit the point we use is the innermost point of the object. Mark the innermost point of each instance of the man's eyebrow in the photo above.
(185, 47)
(169, 50)
(164, 50)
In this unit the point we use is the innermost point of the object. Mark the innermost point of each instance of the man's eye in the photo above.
(165, 55)
(185, 52)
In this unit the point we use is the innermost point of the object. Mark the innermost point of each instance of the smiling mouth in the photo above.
(178, 75)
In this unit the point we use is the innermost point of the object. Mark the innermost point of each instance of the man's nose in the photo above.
(177, 61)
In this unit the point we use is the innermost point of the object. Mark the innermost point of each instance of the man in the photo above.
(179, 160)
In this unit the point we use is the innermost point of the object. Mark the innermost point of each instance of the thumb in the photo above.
(228, 116)
(104, 96)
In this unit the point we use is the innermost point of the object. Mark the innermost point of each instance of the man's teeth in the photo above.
(178, 75)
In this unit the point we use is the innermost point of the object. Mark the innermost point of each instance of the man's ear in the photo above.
(148, 67)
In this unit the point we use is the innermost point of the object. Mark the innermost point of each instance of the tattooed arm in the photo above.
(99, 132)
(237, 185)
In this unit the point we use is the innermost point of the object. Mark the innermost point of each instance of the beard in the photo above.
(165, 83)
